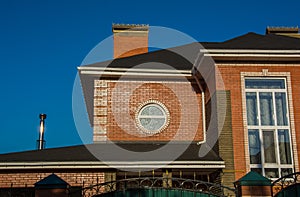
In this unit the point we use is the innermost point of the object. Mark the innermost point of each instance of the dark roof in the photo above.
(179, 58)
(190, 51)
(257, 42)
(52, 181)
(83, 153)
(253, 179)
(183, 57)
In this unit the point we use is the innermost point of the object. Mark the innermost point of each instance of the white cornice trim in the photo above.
(108, 165)
(251, 51)
(216, 54)
(252, 55)
(212, 166)
(255, 55)
(134, 72)
(137, 74)
(143, 70)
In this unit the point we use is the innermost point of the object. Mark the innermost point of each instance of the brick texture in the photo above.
(182, 99)
(226, 144)
(254, 191)
(28, 179)
(231, 74)
(130, 44)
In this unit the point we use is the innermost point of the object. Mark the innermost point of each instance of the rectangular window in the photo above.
(254, 146)
(269, 147)
(252, 115)
(286, 171)
(258, 170)
(264, 83)
(281, 111)
(268, 126)
(271, 172)
(266, 108)
(284, 146)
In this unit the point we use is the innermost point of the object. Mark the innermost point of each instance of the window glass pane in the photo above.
(266, 108)
(152, 124)
(152, 110)
(281, 111)
(265, 83)
(269, 147)
(254, 146)
(284, 146)
(271, 173)
(152, 118)
(286, 171)
(258, 170)
(251, 101)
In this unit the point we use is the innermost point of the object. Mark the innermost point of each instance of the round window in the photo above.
(152, 117)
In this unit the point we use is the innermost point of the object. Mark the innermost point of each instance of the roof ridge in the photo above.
(241, 36)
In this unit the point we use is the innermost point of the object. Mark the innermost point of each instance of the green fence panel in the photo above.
(290, 191)
(156, 193)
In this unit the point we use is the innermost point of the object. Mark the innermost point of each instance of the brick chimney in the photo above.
(130, 39)
(284, 31)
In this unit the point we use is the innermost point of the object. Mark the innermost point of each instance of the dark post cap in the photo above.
(43, 116)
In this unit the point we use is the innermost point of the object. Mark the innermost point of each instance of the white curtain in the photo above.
(284, 147)
(266, 108)
(281, 111)
(254, 146)
(251, 102)
(269, 146)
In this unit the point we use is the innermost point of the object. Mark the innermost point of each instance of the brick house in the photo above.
(209, 111)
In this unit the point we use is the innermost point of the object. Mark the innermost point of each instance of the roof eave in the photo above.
(252, 55)
(133, 72)
(110, 165)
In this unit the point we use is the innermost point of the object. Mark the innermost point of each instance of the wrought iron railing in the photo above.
(284, 182)
(156, 183)
(17, 192)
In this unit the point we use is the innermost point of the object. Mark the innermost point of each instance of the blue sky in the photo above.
(42, 43)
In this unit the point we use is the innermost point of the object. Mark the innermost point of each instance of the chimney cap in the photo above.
(131, 27)
(281, 29)
(43, 116)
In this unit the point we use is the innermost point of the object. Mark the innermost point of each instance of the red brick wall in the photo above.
(28, 179)
(185, 115)
(129, 45)
(231, 75)
(255, 191)
(51, 193)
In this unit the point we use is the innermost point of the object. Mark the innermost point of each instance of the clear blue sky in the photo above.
(42, 43)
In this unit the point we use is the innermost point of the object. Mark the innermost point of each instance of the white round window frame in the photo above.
(161, 106)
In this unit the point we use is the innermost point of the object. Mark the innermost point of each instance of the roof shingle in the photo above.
(84, 153)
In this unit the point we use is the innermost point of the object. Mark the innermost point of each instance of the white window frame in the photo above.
(292, 134)
(274, 128)
(162, 107)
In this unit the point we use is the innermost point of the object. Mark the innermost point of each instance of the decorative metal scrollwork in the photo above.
(156, 183)
(284, 182)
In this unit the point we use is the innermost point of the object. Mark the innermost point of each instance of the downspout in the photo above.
(199, 61)
(203, 107)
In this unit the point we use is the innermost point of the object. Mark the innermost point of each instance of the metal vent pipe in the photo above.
(41, 141)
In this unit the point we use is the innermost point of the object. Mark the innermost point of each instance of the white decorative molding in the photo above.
(265, 73)
(160, 105)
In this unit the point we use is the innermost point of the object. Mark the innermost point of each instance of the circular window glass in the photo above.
(152, 117)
